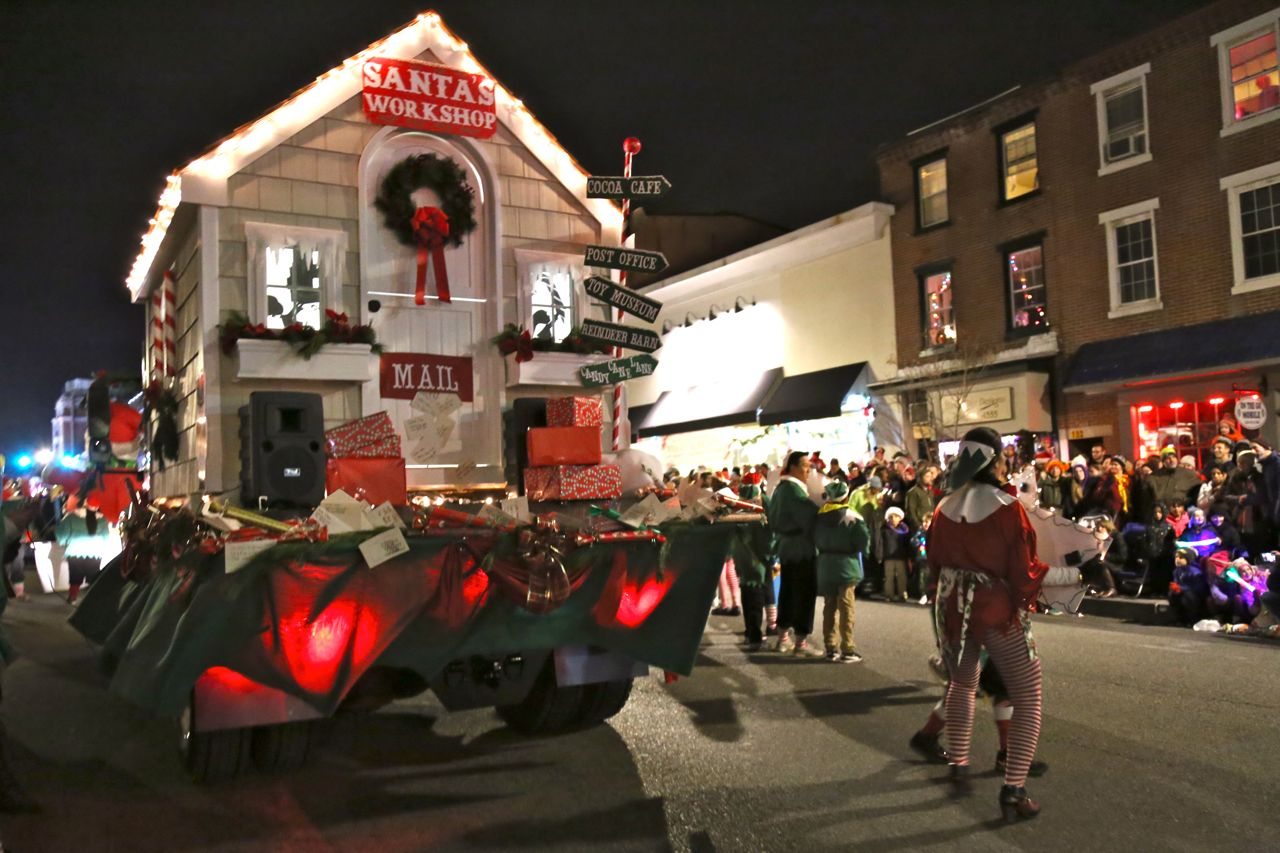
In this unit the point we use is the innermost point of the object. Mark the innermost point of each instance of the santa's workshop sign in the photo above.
(425, 96)
(404, 374)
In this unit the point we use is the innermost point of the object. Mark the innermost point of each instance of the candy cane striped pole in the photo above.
(163, 326)
(630, 148)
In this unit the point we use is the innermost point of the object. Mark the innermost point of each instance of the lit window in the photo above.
(1026, 288)
(1260, 231)
(940, 323)
(1131, 257)
(1018, 153)
(1249, 72)
(293, 287)
(931, 182)
(551, 304)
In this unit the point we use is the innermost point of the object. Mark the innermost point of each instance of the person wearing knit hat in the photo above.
(841, 536)
(1222, 451)
(983, 549)
(895, 551)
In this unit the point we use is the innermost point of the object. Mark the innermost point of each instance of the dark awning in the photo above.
(727, 402)
(1236, 343)
(811, 395)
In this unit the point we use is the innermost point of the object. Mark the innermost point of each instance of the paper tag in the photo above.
(384, 515)
(221, 522)
(239, 553)
(331, 520)
(423, 452)
(385, 546)
(415, 428)
(338, 497)
(466, 468)
(517, 508)
(435, 404)
(643, 513)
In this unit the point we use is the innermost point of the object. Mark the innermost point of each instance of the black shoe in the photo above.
(720, 611)
(961, 786)
(929, 747)
(772, 631)
(1015, 805)
(733, 611)
(1037, 769)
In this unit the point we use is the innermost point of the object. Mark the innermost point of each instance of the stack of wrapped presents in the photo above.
(365, 460)
(565, 460)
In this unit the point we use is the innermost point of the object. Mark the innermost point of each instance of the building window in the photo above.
(549, 291)
(295, 274)
(931, 192)
(1026, 289)
(1253, 204)
(1249, 71)
(1018, 161)
(1131, 258)
(1122, 119)
(939, 312)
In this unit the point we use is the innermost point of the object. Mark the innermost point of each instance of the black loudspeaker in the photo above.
(524, 413)
(282, 449)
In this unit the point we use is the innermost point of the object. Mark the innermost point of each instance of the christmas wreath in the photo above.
(516, 339)
(428, 229)
(306, 341)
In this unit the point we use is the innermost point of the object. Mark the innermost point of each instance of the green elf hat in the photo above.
(836, 491)
(978, 449)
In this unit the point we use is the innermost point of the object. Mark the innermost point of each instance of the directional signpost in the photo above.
(622, 258)
(620, 336)
(621, 187)
(618, 370)
(624, 300)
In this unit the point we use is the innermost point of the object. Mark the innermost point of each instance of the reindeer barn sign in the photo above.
(424, 96)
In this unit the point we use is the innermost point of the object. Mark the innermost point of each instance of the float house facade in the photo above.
(277, 222)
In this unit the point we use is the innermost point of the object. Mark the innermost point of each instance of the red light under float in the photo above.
(641, 599)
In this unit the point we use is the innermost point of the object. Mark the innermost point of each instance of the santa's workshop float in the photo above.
(385, 452)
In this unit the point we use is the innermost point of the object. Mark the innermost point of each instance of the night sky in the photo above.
(764, 108)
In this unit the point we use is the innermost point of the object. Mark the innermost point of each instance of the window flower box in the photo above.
(257, 359)
(550, 368)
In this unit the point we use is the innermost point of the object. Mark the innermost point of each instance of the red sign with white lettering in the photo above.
(421, 95)
(404, 374)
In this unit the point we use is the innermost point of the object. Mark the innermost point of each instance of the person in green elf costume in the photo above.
(841, 537)
(791, 515)
(752, 552)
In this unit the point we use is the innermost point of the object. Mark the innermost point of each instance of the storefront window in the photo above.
(1188, 426)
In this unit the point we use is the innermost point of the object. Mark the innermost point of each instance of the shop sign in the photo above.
(425, 96)
(986, 405)
(620, 336)
(1251, 412)
(404, 374)
(618, 370)
(620, 188)
(632, 260)
(624, 300)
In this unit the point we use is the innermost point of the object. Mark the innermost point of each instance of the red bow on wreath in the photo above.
(430, 229)
(521, 345)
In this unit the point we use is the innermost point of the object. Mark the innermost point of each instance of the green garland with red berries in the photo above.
(306, 341)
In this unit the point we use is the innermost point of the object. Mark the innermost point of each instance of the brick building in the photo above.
(1097, 257)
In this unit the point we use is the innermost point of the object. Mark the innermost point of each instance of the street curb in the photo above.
(1142, 611)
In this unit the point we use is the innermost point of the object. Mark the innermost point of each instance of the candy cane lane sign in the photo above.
(618, 370)
(624, 300)
(425, 96)
(631, 260)
(620, 336)
(621, 187)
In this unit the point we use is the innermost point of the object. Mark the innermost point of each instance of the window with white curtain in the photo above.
(295, 273)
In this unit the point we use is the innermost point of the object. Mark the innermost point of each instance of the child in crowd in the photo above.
(752, 554)
(894, 553)
(841, 537)
(1189, 591)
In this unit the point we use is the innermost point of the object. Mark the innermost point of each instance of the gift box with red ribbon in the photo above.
(345, 440)
(373, 479)
(572, 482)
(564, 445)
(575, 412)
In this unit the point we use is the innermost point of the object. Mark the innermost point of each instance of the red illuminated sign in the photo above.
(424, 96)
(403, 374)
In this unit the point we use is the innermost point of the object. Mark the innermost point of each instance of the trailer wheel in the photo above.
(549, 708)
(603, 700)
(281, 748)
(211, 757)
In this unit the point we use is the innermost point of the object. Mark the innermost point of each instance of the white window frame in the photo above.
(1223, 42)
(1100, 90)
(526, 262)
(1243, 182)
(333, 254)
(1113, 219)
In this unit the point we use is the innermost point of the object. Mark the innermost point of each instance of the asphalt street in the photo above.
(1157, 739)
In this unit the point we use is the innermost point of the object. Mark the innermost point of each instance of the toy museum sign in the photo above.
(403, 375)
(424, 96)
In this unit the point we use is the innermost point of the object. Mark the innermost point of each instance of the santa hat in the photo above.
(894, 511)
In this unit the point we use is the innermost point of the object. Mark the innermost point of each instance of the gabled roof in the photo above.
(204, 179)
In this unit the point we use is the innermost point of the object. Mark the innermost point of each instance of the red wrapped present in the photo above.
(382, 447)
(370, 479)
(564, 446)
(572, 482)
(575, 412)
(353, 435)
